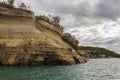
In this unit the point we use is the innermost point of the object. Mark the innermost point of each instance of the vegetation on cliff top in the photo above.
(70, 39)
(97, 52)
(10, 4)
(55, 20)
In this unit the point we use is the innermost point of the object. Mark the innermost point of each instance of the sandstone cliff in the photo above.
(23, 41)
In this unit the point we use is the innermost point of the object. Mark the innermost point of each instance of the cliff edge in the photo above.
(23, 41)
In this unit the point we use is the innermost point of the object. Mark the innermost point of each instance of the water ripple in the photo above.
(95, 69)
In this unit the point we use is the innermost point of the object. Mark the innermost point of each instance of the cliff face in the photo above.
(26, 42)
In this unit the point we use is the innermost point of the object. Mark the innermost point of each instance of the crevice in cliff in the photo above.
(55, 62)
(76, 60)
(0, 63)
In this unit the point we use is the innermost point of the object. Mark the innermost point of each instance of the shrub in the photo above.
(11, 2)
(70, 39)
(22, 6)
(5, 4)
(42, 17)
(56, 19)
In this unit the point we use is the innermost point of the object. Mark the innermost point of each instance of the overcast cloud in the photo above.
(93, 22)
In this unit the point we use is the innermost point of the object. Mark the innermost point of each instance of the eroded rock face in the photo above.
(25, 42)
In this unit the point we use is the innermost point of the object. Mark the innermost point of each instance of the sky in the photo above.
(92, 22)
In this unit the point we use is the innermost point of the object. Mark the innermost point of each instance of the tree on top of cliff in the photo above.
(56, 19)
(11, 2)
(22, 6)
(42, 17)
(8, 4)
(70, 39)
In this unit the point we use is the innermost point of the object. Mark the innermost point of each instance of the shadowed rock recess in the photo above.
(24, 41)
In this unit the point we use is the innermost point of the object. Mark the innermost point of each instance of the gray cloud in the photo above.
(109, 9)
(94, 36)
(85, 12)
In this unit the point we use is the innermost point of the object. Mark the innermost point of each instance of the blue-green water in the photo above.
(95, 69)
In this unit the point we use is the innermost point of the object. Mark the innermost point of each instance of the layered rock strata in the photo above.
(23, 41)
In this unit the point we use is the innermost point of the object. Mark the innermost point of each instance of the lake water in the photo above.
(95, 69)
